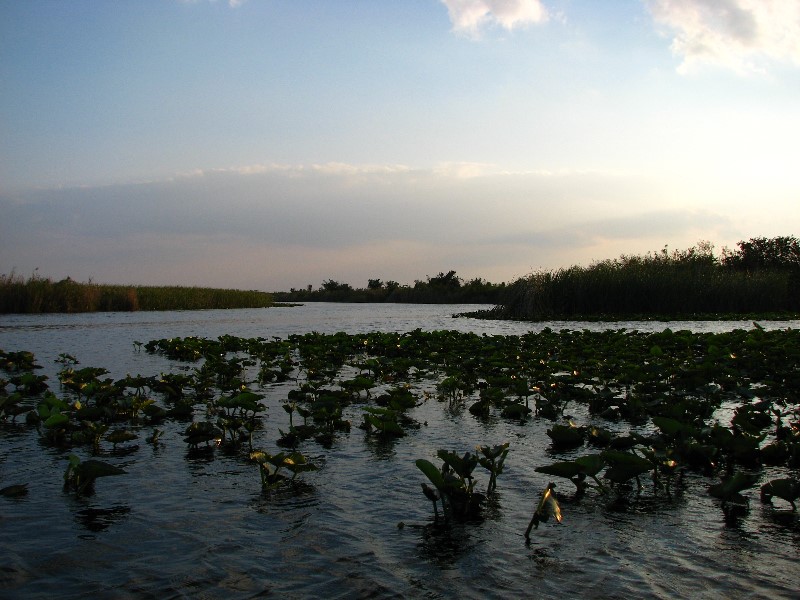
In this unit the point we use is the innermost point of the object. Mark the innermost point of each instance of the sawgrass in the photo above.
(42, 295)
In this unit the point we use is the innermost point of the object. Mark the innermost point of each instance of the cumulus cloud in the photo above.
(471, 16)
(743, 35)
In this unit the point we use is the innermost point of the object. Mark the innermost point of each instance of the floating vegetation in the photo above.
(272, 467)
(17, 490)
(454, 485)
(650, 408)
(81, 475)
(786, 489)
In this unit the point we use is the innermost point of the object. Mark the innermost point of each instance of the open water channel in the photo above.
(200, 526)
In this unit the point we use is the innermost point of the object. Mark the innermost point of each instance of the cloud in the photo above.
(743, 35)
(471, 16)
(274, 227)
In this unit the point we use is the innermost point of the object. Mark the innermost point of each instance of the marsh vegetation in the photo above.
(761, 276)
(42, 295)
(662, 392)
(436, 448)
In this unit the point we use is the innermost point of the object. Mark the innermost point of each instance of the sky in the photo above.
(275, 144)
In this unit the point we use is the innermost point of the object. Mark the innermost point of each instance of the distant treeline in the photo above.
(41, 295)
(445, 288)
(761, 276)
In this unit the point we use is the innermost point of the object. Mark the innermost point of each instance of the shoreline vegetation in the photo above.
(760, 279)
(41, 295)
(445, 288)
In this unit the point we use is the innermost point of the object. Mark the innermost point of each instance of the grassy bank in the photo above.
(41, 295)
(758, 278)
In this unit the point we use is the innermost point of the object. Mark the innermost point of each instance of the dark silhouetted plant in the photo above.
(577, 471)
(493, 459)
(273, 467)
(15, 491)
(547, 507)
(729, 489)
(81, 475)
(787, 489)
(202, 432)
(454, 483)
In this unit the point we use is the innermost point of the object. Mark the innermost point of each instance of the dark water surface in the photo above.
(198, 525)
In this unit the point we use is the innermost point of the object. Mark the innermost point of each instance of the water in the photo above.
(181, 525)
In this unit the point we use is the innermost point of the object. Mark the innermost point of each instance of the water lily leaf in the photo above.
(384, 424)
(493, 452)
(618, 457)
(622, 473)
(244, 401)
(567, 469)
(431, 472)
(786, 489)
(297, 463)
(515, 410)
(567, 436)
(591, 464)
(624, 465)
(430, 493)
(119, 436)
(462, 465)
(673, 428)
(599, 436)
(14, 491)
(92, 469)
(201, 431)
(259, 456)
(56, 420)
(729, 488)
(155, 412)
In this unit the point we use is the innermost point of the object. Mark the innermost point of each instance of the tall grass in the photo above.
(42, 295)
(679, 284)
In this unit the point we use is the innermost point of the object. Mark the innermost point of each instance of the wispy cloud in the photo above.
(470, 17)
(743, 35)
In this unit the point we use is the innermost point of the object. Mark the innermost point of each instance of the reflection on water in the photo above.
(100, 519)
(195, 523)
(443, 546)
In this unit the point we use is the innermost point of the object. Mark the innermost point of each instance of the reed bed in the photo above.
(42, 295)
(682, 284)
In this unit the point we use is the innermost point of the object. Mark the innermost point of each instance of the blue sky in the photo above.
(270, 144)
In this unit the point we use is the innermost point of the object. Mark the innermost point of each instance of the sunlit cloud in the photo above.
(464, 170)
(470, 17)
(743, 35)
(278, 226)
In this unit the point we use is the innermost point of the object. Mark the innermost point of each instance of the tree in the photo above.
(334, 286)
(766, 253)
(449, 279)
